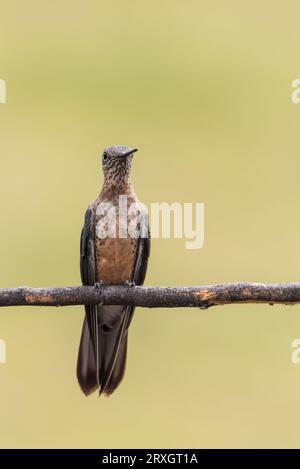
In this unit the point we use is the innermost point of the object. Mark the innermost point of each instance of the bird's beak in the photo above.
(128, 153)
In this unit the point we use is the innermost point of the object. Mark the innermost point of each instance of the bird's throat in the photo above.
(112, 189)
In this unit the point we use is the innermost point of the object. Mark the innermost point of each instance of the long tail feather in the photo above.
(86, 364)
(115, 370)
(102, 353)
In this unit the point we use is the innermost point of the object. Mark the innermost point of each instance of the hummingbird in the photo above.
(111, 254)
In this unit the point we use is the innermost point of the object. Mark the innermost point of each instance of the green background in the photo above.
(203, 89)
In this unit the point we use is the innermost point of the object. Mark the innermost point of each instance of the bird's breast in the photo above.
(115, 247)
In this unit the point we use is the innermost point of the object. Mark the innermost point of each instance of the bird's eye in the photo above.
(105, 156)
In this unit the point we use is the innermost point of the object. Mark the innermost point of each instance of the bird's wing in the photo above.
(88, 268)
(87, 250)
(87, 356)
(141, 264)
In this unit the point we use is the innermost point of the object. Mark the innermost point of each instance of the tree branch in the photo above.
(154, 297)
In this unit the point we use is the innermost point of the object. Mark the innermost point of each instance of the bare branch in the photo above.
(154, 297)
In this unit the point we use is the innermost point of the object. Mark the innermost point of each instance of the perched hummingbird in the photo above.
(111, 256)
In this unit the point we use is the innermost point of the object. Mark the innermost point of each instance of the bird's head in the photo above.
(116, 163)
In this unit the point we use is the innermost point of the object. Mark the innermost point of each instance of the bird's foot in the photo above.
(129, 285)
(99, 285)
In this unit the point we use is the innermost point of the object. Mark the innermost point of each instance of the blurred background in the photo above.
(203, 89)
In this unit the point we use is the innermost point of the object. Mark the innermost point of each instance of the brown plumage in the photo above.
(111, 256)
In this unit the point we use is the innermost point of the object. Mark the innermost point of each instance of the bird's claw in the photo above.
(129, 284)
(99, 285)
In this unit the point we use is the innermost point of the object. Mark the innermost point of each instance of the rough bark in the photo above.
(154, 297)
